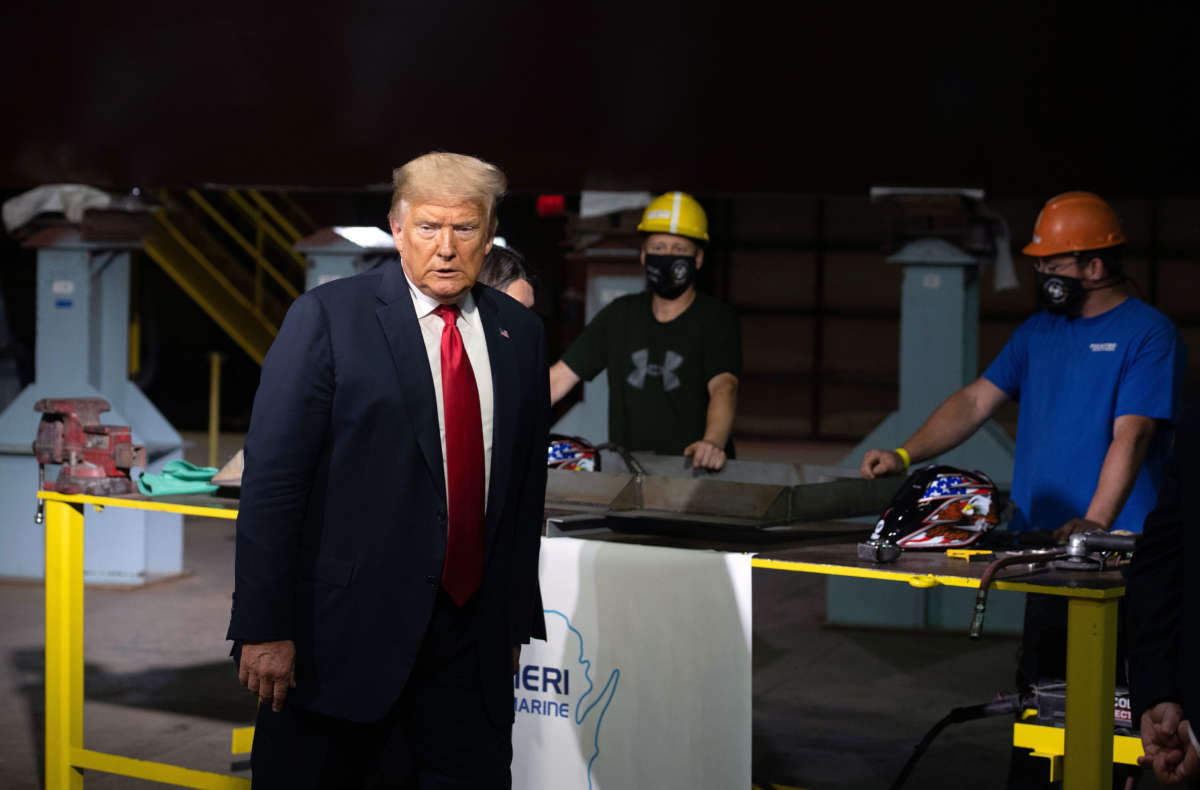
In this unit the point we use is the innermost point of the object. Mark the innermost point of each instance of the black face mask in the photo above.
(670, 275)
(1060, 295)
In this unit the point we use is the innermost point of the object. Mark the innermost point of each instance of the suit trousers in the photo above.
(437, 736)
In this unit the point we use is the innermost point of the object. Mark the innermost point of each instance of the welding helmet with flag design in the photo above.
(938, 507)
(572, 454)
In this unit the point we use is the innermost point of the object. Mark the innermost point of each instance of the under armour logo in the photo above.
(643, 368)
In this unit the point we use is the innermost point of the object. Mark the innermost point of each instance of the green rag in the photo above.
(178, 477)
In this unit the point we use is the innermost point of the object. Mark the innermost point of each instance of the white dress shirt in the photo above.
(470, 326)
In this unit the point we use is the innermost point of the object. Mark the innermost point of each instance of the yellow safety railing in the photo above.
(253, 305)
(243, 285)
(263, 224)
(65, 752)
(253, 250)
(269, 209)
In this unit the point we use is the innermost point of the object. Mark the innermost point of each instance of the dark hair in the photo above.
(503, 266)
(1110, 256)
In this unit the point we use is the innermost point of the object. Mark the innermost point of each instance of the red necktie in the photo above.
(463, 569)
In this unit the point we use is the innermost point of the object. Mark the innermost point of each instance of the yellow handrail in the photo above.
(256, 217)
(65, 754)
(273, 212)
(161, 216)
(243, 242)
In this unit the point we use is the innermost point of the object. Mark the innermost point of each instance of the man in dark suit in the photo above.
(388, 537)
(1163, 595)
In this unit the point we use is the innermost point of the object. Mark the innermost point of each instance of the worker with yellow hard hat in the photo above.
(1097, 373)
(673, 354)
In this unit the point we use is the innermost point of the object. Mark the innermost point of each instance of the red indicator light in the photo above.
(551, 205)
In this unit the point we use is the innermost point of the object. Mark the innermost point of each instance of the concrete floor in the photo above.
(833, 708)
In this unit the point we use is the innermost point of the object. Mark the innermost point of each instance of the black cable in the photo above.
(631, 463)
(920, 749)
(1004, 705)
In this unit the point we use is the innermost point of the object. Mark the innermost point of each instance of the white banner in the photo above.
(644, 680)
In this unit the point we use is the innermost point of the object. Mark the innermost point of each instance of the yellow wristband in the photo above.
(904, 456)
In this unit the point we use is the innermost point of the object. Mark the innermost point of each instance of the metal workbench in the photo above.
(822, 547)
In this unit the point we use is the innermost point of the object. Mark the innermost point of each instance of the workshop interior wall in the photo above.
(819, 304)
(820, 307)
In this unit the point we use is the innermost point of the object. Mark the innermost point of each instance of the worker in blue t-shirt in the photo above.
(1097, 373)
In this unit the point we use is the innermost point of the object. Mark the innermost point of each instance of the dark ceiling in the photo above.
(1019, 98)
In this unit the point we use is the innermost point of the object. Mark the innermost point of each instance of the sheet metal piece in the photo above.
(710, 502)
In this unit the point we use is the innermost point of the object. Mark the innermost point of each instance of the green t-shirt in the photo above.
(658, 373)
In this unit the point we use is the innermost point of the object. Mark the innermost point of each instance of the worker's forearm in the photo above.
(949, 426)
(562, 380)
(1117, 476)
(718, 423)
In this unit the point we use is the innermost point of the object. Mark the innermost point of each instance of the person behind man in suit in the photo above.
(506, 270)
(388, 535)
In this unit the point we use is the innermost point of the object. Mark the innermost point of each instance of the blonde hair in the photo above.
(449, 177)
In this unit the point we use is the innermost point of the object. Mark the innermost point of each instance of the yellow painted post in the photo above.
(135, 345)
(64, 643)
(214, 405)
(1091, 673)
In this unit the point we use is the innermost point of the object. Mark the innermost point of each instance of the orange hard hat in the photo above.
(1073, 222)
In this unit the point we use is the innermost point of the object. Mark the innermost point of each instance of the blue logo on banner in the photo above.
(589, 704)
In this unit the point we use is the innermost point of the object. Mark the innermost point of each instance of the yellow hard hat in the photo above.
(677, 213)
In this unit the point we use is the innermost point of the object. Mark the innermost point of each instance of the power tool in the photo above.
(1049, 701)
(1085, 551)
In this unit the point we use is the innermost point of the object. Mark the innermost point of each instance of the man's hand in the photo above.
(1189, 767)
(1160, 734)
(268, 669)
(881, 463)
(516, 658)
(1077, 525)
(705, 455)
(1168, 749)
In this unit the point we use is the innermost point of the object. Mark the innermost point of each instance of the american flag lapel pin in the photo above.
(504, 333)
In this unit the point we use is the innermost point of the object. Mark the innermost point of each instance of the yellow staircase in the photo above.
(232, 252)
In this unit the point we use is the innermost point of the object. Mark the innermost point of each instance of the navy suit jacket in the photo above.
(341, 531)
(1163, 587)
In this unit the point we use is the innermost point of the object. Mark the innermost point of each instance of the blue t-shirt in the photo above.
(1073, 377)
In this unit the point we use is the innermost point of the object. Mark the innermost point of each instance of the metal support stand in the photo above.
(334, 253)
(83, 351)
(939, 355)
(1091, 677)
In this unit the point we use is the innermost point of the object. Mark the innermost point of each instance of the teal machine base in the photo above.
(82, 350)
(939, 354)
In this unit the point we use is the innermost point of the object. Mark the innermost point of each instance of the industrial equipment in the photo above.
(95, 458)
(941, 239)
(1085, 551)
(1045, 704)
(83, 348)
